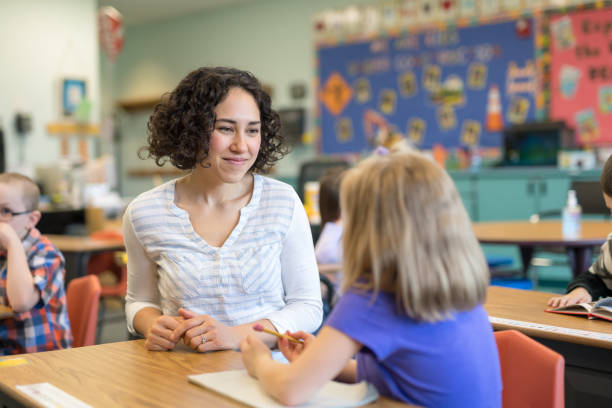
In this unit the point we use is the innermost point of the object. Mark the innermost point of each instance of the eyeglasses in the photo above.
(6, 214)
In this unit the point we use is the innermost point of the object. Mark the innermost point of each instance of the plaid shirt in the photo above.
(44, 327)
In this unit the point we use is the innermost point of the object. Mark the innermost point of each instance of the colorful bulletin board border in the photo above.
(338, 37)
(575, 62)
(350, 110)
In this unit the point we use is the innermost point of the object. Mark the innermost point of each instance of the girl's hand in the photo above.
(161, 335)
(578, 295)
(203, 333)
(290, 349)
(253, 350)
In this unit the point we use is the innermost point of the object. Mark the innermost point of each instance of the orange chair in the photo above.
(532, 374)
(108, 262)
(83, 300)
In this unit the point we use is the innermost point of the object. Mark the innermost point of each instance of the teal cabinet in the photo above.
(517, 198)
(515, 194)
(554, 195)
(504, 199)
(466, 188)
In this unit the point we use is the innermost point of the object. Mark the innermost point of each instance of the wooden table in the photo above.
(585, 344)
(77, 249)
(125, 374)
(529, 236)
(5, 312)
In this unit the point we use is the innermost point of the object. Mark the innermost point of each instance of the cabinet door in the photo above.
(466, 189)
(551, 194)
(506, 198)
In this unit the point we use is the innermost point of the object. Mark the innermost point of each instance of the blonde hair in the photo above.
(406, 232)
(30, 193)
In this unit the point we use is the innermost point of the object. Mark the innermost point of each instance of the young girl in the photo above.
(414, 283)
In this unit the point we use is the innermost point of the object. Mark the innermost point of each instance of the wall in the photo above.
(43, 41)
(271, 38)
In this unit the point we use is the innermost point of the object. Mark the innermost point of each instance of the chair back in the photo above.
(590, 197)
(328, 293)
(532, 374)
(83, 301)
(106, 262)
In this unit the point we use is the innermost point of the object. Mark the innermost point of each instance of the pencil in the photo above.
(259, 327)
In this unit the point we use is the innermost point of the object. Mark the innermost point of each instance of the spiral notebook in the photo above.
(238, 385)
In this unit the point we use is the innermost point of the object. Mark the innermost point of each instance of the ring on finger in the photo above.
(203, 339)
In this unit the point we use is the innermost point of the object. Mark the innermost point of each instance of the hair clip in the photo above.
(381, 151)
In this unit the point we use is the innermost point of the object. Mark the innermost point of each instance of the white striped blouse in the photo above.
(265, 269)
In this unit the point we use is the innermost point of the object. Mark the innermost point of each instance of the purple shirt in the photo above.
(451, 363)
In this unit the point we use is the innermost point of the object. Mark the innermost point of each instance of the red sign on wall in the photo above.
(581, 73)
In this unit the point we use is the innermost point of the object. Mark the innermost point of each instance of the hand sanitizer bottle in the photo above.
(571, 216)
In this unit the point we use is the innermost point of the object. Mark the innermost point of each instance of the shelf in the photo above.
(134, 105)
(156, 174)
(144, 172)
(73, 129)
(65, 131)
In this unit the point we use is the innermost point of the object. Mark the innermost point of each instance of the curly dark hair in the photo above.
(181, 124)
(606, 177)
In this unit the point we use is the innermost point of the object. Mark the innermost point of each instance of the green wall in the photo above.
(271, 38)
(43, 42)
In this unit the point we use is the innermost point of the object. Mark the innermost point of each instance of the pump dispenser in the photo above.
(571, 216)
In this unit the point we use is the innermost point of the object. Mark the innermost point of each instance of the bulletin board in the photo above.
(455, 87)
(579, 75)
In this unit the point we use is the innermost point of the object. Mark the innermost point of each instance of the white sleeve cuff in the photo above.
(132, 308)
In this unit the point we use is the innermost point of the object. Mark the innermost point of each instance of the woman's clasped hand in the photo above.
(199, 332)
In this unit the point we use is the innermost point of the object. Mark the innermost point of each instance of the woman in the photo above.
(222, 248)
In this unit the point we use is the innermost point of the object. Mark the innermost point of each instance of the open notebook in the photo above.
(237, 384)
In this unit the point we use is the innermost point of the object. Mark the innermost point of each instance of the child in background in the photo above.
(31, 274)
(328, 249)
(414, 280)
(596, 282)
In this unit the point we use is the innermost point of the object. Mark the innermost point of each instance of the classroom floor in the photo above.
(114, 327)
(552, 279)
(549, 271)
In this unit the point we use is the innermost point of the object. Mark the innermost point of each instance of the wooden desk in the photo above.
(529, 236)
(585, 344)
(77, 249)
(5, 312)
(528, 306)
(125, 374)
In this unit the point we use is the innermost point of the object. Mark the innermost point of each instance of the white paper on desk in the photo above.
(50, 396)
(237, 384)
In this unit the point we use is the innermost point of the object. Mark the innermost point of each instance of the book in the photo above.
(240, 386)
(601, 309)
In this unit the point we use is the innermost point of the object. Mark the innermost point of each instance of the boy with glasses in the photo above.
(31, 274)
